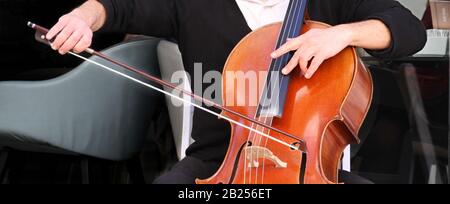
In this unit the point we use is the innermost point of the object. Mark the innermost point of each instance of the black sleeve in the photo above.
(408, 33)
(146, 17)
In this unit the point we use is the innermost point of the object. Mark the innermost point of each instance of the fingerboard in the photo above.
(275, 89)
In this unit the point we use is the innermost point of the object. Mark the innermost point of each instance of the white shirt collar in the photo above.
(258, 13)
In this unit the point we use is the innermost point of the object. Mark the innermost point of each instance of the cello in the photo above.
(325, 112)
(298, 129)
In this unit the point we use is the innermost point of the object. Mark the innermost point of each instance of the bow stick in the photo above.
(40, 36)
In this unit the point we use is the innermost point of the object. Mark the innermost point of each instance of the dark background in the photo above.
(21, 55)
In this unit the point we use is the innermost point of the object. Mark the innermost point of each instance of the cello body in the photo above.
(326, 112)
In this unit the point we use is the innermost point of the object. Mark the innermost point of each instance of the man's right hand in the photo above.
(74, 30)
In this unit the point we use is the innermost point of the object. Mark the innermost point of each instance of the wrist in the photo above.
(81, 14)
(348, 33)
(92, 13)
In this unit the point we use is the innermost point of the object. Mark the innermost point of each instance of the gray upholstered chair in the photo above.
(88, 111)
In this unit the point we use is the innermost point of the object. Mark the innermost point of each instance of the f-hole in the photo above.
(303, 168)
(303, 162)
(236, 160)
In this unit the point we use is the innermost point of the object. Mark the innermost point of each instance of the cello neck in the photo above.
(293, 21)
(275, 89)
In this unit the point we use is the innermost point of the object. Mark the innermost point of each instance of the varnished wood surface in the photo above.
(326, 111)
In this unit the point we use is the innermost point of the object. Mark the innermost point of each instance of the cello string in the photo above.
(180, 99)
(284, 32)
(291, 11)
(292, 26)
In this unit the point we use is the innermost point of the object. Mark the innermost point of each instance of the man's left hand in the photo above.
(313, 48)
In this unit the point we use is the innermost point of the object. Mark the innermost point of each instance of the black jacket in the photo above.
(207, 31)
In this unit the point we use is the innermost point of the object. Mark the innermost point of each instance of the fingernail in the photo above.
(273, 55)
(284, 71)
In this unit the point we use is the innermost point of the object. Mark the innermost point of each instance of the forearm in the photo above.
(93, 13)
(370, 34)
(147, 17)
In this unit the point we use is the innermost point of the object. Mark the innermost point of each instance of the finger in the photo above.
(83, 44)
(56, 28)
(315, 64)
(63, 36)
(293, 63)
(287, 47)
(71, 42)
(305, 58)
